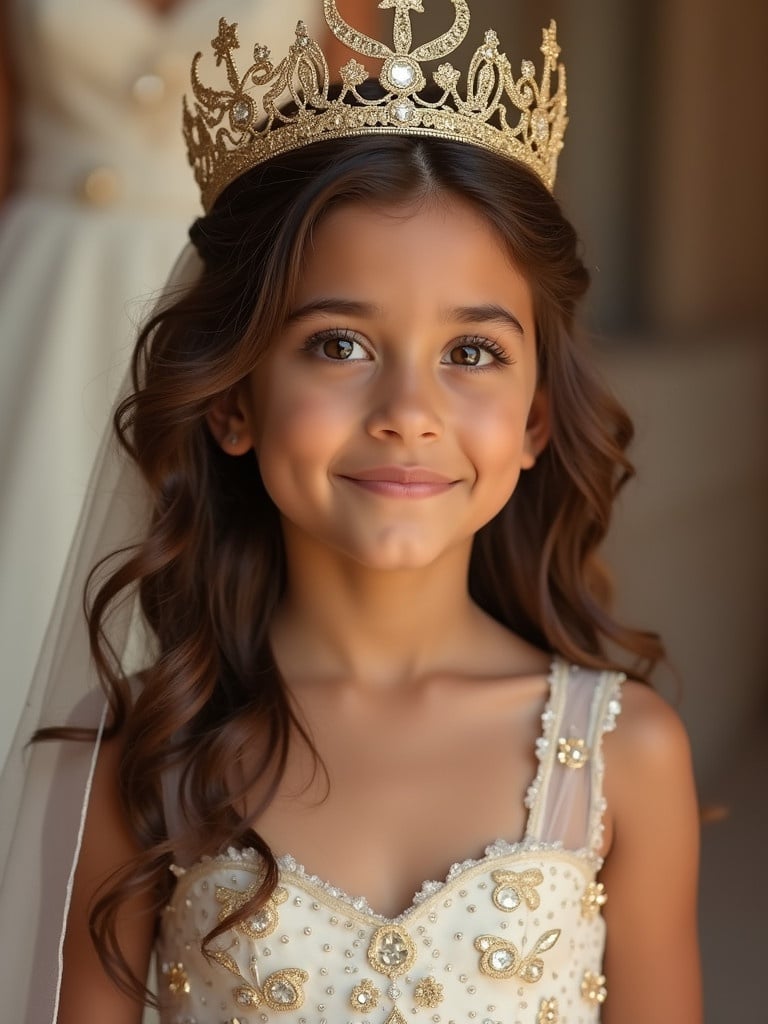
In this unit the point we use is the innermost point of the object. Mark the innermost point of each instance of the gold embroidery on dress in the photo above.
(593, 988)
(263, 922)
(548, 1012)
(364, 996)
(500, 958)
(428, 994)
(391, 951)
(283, 989)
(572, 752)
(247, 995)
(395, 1018)
(177, 979)
(593, 899)
(222, 958)
(515, 887)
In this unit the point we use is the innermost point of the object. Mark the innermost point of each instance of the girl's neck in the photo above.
(341, 620)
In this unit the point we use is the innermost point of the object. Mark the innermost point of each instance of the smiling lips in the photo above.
(401, 481)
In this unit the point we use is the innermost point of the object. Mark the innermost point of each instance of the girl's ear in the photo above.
(537, 431)
(228, 423)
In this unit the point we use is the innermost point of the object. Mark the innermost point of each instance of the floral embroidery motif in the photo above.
(176, 979)
(264, 921)
(593, 988)
(593, 899)
(365, 996)
(282, 990)
(428, 994)
(391, 951)
(548, 1012)
(502, 959)
(572, 752)
(515, 887)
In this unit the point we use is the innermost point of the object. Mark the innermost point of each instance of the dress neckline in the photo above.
(289, 866)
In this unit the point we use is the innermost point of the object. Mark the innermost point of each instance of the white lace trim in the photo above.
(548, 717)
(612, 709)
(288, 865)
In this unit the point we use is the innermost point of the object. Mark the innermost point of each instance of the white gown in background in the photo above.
(103, 202)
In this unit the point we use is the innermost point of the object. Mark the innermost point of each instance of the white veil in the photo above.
(44, 788)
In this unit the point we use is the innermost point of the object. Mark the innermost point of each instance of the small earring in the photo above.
(233, 439)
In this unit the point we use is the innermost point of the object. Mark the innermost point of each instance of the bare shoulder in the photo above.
(650, 734)
(651, 865)
(649, 772)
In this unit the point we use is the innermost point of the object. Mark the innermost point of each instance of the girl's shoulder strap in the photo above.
(566, 800)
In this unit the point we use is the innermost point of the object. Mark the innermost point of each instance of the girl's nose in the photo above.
(405, 404)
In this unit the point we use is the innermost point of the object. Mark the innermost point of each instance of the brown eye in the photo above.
(338, 348)
(466, 355)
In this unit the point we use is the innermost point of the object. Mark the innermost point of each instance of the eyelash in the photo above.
(313, 343)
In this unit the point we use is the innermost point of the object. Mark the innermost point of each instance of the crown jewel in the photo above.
(228, 131)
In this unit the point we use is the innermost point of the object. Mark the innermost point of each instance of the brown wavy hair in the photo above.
(211, 569)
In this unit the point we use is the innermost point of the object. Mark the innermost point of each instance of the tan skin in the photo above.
(391, 665)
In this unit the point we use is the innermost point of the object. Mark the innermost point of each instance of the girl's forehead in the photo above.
(440, 242)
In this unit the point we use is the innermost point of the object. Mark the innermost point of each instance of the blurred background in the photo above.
(664, 174)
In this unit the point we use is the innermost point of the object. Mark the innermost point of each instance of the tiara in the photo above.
(274, 108)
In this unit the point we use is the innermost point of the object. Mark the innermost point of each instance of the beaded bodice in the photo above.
(514, 937)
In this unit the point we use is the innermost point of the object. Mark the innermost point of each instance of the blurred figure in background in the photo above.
(98, 197)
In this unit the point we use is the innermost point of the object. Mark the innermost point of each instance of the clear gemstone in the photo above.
(404, 111)
(241, 112)
(393, 951)
(540, 125)
(501, 959)
(363, 998)
(260, 921)
(401, 74)
(393, 991)
(508, 897)
(282, 992)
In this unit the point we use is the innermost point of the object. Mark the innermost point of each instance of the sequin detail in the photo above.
(572, 752)
(548, 1012)
(593, 900)
(176, 979)
(593, 988)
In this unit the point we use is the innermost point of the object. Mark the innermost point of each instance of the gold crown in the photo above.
(228, 132)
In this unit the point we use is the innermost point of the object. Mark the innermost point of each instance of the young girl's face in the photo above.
(394, 412)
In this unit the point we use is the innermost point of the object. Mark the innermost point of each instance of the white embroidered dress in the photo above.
(515, 937)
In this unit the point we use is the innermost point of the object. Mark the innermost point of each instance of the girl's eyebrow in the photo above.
(486, 313)
(331, 304)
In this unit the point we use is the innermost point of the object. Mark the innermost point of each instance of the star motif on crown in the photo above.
(274, 108)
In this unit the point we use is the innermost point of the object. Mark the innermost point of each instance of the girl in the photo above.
(380, 467)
